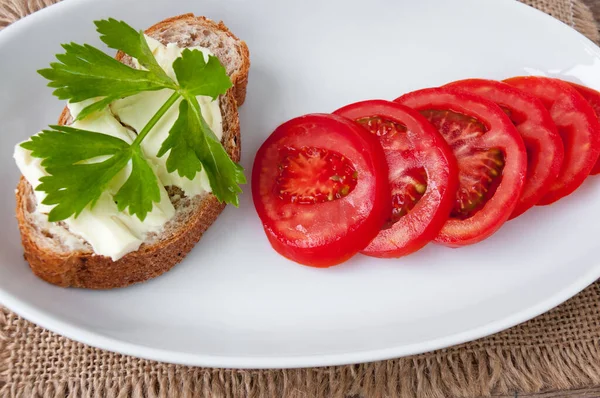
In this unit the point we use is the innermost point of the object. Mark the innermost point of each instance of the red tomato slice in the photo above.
(577, 125)
(543, 143)
(491, 157)
(320, 187)
(422, 177)
(593, 98)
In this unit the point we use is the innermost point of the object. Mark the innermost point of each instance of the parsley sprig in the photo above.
(70, 156)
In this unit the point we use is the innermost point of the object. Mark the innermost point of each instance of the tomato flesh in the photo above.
(479, 170)
(543, 144)
(593, 98)
(311, 175)
(409, 184)
(422, 175)
(407, 190)
(491, 159)
(577, 126)
(319, 185)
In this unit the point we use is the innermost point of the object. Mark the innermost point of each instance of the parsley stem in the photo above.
(152, 122)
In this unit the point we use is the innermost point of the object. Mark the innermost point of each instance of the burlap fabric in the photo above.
(559, 350)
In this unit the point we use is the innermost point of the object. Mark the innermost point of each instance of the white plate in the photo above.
(234, 302)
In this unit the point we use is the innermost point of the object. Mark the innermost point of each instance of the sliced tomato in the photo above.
(593, 98)
(422, 175)
(491, 157)
(320, 188)
(577, 125)
(543, 143)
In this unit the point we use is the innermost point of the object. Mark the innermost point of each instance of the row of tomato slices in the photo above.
(449, 164)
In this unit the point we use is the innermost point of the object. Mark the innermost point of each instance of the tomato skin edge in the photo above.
(356, 238)
(565, 185)
(537, 129)
(497, 210)
(422, 224)
(593, 98)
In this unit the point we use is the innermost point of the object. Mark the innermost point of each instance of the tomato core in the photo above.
(310, 175)
(480, 170)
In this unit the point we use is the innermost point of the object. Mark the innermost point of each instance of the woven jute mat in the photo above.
(559, 350)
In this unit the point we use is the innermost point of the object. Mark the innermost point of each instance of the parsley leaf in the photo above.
(193, 146)
(223, 174)
(72, 188)
(73, 185)
(85, 72)
(65, 146)
(97, 106)
(181, 142)
(198, 77)
(120, 36)
(140, 190)
(192, 143)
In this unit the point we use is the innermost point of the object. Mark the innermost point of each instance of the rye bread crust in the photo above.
(87, 270)
(83, 268)
(165, 32)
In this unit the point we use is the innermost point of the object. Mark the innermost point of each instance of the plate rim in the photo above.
(104, 342)
(98, 340)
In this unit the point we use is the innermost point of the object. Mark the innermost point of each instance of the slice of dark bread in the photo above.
(188, 30)
(45, 243)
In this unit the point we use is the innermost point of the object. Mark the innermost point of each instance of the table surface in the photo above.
(595, 6)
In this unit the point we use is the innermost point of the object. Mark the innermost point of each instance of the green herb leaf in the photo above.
(72, 187)
(192, 143)
(76, 181)
(140, 190)
(120, 36)
(85, 72)
(198, 77)
(96, 106)
(182, 157)
(193, 146)
(65, 146)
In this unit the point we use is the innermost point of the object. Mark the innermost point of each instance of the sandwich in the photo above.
(86, 223)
